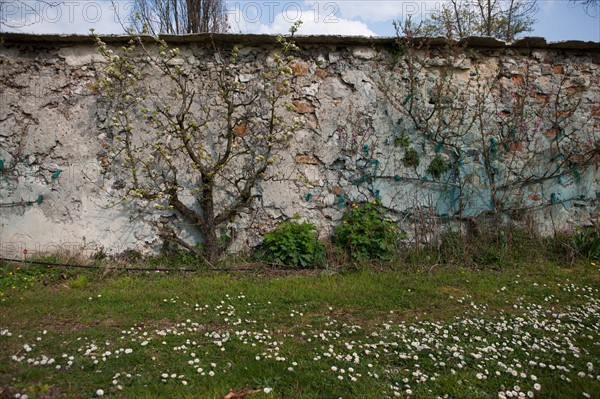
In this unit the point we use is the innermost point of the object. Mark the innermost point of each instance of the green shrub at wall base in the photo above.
(587, 243)
(293, 244)
(366, 233)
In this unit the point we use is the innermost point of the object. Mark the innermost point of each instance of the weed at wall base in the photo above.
(293, 244)
(366, 233)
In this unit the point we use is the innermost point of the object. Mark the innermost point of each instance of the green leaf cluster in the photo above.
(402, 140)
(411, 158)
(587, 243)
(437, 166)
(366, 233)
(294, 244)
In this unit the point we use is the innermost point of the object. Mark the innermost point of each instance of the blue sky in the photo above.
(557, 19)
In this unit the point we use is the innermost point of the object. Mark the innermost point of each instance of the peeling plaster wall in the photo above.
(351, 94)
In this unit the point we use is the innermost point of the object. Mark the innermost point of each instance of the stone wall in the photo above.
(438, 132)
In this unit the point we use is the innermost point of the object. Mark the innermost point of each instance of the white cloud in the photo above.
(53, 17)
(281, 16)
(383, 10)
(310, 27)
(339, 27)
(548, 5)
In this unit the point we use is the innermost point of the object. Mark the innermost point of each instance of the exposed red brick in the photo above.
(516, 146)
(299, 68)
(558, 69)
(552, 132)
(78, 74)
(321, 73)
(575, 89)
(541, 98)
(306, 159)
(562, 114)
(518, 79)
(241, 129)
(303, 107)
(337, 190)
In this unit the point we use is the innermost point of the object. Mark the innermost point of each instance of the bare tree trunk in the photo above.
(181, 16)
(508, 37)
(458, 17)
(193, 16)
(488, 19)
(209, 228)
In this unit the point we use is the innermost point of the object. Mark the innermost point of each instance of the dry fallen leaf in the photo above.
(241, 394)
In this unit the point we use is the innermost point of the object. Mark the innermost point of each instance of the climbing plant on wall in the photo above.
(207, 136)
(25, 180)
(498, 142)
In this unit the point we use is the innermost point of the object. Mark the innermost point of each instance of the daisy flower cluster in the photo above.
(525, 351)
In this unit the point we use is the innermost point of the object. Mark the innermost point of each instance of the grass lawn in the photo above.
(521, 332)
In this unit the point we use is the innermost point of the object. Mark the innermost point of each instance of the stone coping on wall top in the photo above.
(331, 40)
